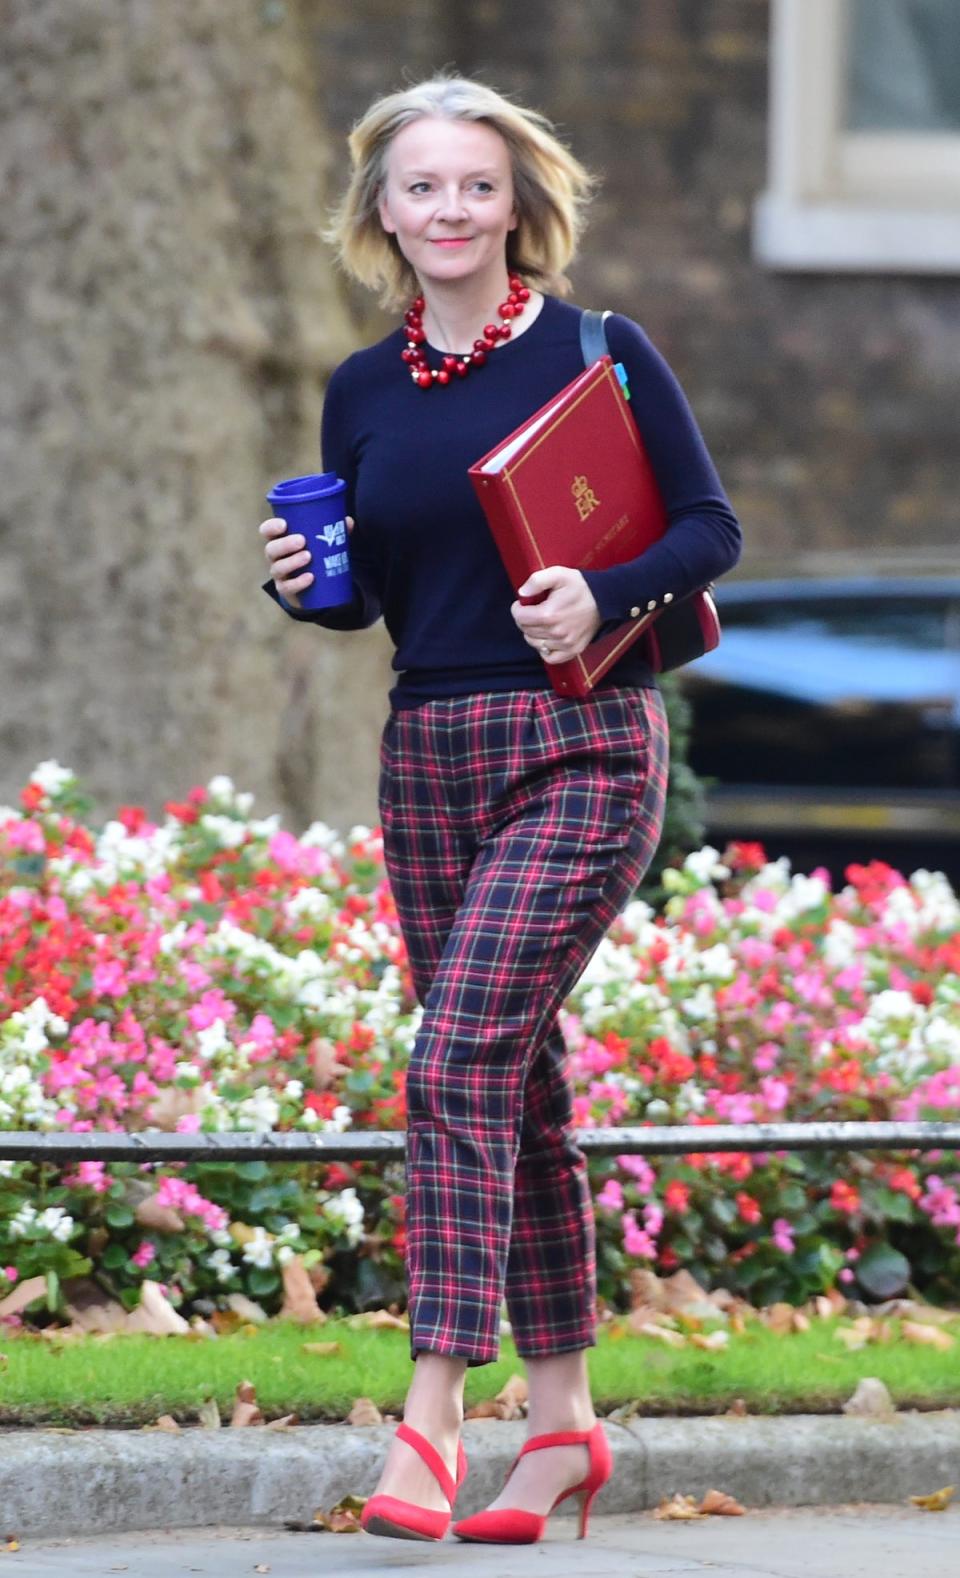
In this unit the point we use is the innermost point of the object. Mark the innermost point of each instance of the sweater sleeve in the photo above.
(339, 455)
(703, 537)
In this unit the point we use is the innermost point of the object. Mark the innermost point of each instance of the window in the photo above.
(864, 168)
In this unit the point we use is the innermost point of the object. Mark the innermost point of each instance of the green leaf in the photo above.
(118, 1215)
(113, 1257)
(53, 1291)
(261, 1281)
(882, 1271)
(254, 1172)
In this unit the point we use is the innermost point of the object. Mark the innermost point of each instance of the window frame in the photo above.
(836, 199)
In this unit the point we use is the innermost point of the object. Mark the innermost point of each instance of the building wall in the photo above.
(171, 320)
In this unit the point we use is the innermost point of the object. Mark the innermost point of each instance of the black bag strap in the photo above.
(593, 336)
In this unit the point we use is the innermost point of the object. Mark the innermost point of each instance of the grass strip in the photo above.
(129, 1380)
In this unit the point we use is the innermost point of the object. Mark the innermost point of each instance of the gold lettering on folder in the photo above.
(584, 497)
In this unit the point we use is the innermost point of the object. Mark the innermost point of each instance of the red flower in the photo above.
(668, 1257)
(133, 817)
(32, 796)
(844, 1197)
(742, 856)
(903, 1179)
(676, 1196)
(748, 1207)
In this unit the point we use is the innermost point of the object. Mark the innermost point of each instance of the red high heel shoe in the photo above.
(514, 1526)
(404, 1520)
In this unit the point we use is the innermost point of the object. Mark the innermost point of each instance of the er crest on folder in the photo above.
(573, 485)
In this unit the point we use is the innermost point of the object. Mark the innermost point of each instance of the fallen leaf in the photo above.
(914, 1331)
(323, 1349)
(208, 1414)
(852, 1340)
(158, 1218)
(246, 1308)
(779, 1317)
(871, 1399)
(712, 1341)
(374, 1320)
(678, 1506)
(675, 1339)
(737, 1409)
(262, 1567)
(155, 1313)
(722, 1505)
(364, 1412)
(299, 1298)
(344, 1518)
(509, 1403)
(22, 1295)
(245, 1408)
(167, 1422)
(282, 1424)
(11, 1543)
(936, 1501)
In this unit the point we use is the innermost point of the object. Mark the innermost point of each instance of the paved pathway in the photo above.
(853, 1541)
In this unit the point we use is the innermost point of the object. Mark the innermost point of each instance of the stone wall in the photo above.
(170, 319)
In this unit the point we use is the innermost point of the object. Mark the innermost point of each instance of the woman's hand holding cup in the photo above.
(288, 558)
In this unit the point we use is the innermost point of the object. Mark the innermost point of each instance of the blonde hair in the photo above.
(551, 187)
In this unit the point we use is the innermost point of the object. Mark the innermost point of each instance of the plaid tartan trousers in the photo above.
(516, 826)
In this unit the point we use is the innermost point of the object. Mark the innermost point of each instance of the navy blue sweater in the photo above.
(421, 551)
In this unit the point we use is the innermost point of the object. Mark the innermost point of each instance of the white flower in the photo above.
(803, 894)
(220, 787)
(184, 1070)
(893, 1005)
(261, 1110)
(220, 1263)
(943, 1037)
(212, 1040)
(705, 864)
(227, 830)
(285, 1253)
(6, 1169)
(340, 1119)
(266, 826)
(51, 776)
(310, 904)
(345, 1212)
(258, 1251)
(293, 1089)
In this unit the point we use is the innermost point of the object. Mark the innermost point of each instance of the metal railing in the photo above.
(377, 1144)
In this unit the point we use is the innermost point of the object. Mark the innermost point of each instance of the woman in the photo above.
(516, 823)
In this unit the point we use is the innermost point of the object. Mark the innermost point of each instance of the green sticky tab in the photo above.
(621, 373)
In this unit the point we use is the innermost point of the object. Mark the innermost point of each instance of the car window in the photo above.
(910, 623)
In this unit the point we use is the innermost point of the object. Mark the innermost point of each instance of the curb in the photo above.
(55, 1482)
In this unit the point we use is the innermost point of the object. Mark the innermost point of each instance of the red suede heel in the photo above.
(514, 1526)
(404, 1520)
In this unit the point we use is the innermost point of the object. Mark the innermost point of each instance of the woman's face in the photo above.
(448, 198)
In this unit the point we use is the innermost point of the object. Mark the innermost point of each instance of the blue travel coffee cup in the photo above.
(315, 508)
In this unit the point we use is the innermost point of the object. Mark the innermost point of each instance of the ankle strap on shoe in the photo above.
(431, 1457)
(557, 1438)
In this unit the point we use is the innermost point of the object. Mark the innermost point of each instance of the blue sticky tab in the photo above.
(621, 373)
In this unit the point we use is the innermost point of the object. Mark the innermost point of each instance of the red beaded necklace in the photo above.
(416, 357)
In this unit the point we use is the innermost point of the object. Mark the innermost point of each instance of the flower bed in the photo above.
(215, 972)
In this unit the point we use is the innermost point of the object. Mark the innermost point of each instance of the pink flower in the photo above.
(611, 1195)
(846, 1275)
(782, 1235)
(144, 1254)
(635, 1240)
(639, 1169)
(11, 1273)
(765, 1056)
(188, 1123)
(776, 1093)
(109, 979)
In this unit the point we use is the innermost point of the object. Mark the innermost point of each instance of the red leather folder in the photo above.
(573, 485)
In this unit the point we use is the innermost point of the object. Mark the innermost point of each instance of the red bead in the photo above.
(408, 355)
(462, 369)
(480, 345)
(443, 377)
(478, 358)
(490, 331)
(523, 293)
(504, 309)
(424, 379)
(418, 303)
(449, 363)
(418, 336)
(505, 331)
(513, 299)
(516, 283)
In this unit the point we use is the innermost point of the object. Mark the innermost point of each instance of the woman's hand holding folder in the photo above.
(555, 609)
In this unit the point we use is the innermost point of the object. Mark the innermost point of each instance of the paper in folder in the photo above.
(573, 485)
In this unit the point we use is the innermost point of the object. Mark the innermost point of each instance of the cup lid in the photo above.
(315, 485)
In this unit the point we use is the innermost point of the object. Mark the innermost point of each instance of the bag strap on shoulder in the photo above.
(593, 336)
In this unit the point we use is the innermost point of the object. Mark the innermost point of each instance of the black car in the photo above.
(827, 723)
